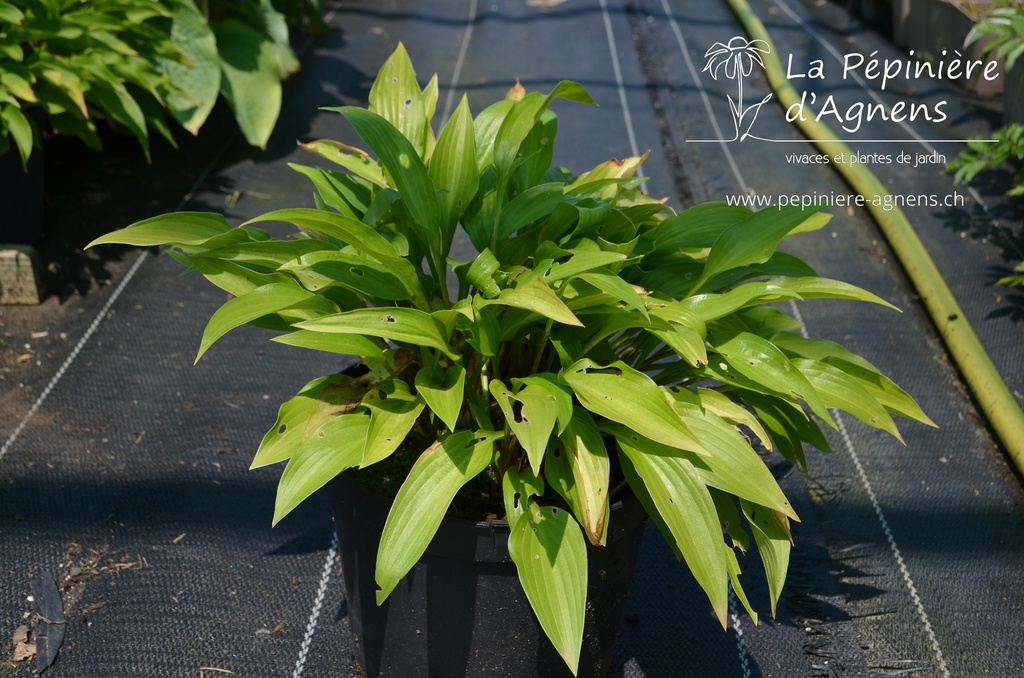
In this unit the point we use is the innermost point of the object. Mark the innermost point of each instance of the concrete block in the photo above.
(20, 275)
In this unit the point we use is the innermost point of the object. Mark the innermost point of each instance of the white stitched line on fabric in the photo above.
(318, 603)
(623, 101)
(457, 71)
(904, 571)
(741, 645)
(74, 354)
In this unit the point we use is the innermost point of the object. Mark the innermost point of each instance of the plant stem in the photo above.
(542, 346)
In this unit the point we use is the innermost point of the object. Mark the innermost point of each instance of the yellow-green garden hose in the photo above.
(993, 396)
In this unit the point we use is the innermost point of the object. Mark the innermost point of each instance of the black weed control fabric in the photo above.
(127, 486)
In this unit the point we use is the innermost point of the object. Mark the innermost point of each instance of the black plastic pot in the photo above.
(461, 611)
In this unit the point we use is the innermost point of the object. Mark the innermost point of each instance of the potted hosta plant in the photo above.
(598, 350)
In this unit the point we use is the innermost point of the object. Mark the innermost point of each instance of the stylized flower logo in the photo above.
(736, 60)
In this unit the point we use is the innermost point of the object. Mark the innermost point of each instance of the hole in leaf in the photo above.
(604, 370)
(515, 499)
(282, 429)
(390, 319)
(408, 103)
(356, 271)
(404, 160)
(321, 434)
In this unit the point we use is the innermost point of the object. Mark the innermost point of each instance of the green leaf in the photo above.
(816, 288)
(262, 301)
(199, 78)
(532, 294)
(583, 460)
(532, 204)
(453, 169)
(398, 324)
(353, 270)
(771, 534)
(333, 448)
(699, 226)
(351, 158)
(443, 392)
(734, 466)
(517, 488)
(551, 557)
(346, 344)
(883, 389)
(357, 234)
(631, 398)
(843, 391)
(688, 512)
(300, 417)
(406, 169)
(581, 262)
(179, 228)
(559, 395)
(250, 78)
(393, 411)
(438, 474)
(21, 130)
(761, 361)
(396, 97)
(531, 414)
(10, 14)
(751, 241)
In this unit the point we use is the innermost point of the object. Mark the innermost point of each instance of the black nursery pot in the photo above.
(461, 610)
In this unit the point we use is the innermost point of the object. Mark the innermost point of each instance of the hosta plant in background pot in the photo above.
(542, 356)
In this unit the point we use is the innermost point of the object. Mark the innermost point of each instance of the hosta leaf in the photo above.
(560, 397)
(199, 79)
(179, 228)
(883, 389)
(300, 417)
(393, 411)
(761, 361)
(551, 557)
(843, 391)
(531, 414)
(771, 534)
(334, 447)
(734, 466)
(713, 306)
(689, 514)
(616, 287)
(351, 158)
(733, 412)
(453, 169)
(582, 473)
(406, 169)
(428, 490)
(443, 392)
(356, 271)
(532, 204)
(787, 423)
(751, 241)
(250, 78)
(396, 97)
(360, 236)
(20, 128)
(631, 398)
(825, 288)
(737, 587)
(699, 226)
(517, 488)
(234, 278)
(346, 344)
(581, 262)
(534, 295)
(261, 301)
(398, 324)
